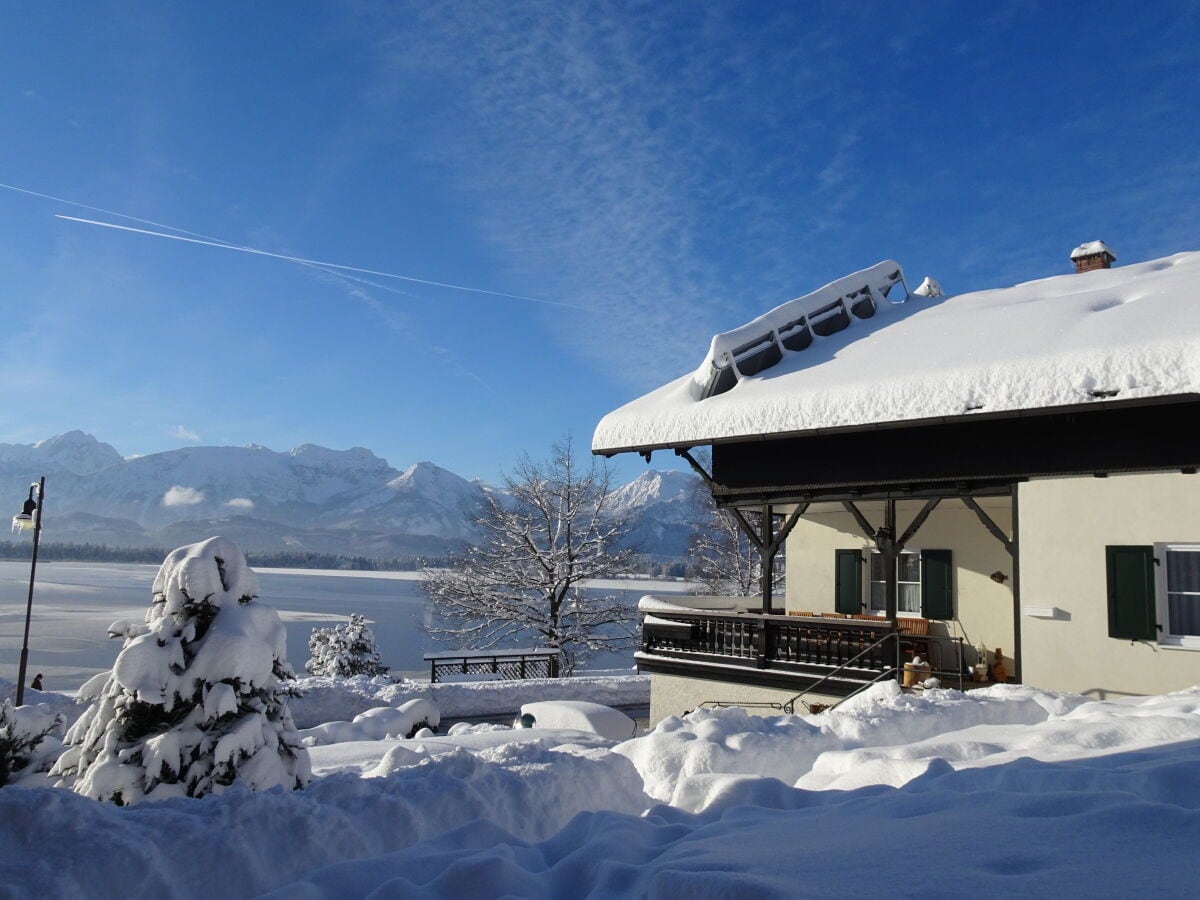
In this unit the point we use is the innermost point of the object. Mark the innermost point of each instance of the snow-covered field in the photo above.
(74, 603)
(1003, 791)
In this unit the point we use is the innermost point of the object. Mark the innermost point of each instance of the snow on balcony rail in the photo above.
(795, 325)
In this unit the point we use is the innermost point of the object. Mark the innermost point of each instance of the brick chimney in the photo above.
(1093, 255)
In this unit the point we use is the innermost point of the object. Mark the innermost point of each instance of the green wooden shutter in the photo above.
(848, 581)
(1131, 608)
(937, 585)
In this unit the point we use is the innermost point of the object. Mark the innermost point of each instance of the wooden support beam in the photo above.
(916, 523)
(748, 530)
(699, 469)
(1014, 547)
(766, 560)
(885, 539)
(786, 528)
(987, 522)
(860, 519)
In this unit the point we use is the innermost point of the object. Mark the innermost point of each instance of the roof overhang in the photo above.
(963, 454)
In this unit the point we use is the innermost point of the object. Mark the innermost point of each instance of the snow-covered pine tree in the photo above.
(197, 698)
(25, 732)
(344, 650)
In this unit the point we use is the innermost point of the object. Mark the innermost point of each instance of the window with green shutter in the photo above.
(937, 585)
(848, 581)
(1131, 603)
(924, 584)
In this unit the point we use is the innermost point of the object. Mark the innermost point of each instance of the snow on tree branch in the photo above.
(344, 650)
(197, 699)
(552, 529)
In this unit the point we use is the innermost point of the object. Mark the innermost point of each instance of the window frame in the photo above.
(1165, 636)
(872, 553)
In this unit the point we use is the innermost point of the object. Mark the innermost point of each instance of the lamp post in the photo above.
(29, 518)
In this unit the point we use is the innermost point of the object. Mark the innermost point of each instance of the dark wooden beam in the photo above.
(766, 561)
(696, 467)
(885, 539)
(987, 522)
(1015, 550)
(1102, 436)
(916, 523)
(866, 526)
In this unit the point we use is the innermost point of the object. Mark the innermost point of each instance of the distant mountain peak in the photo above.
(425, 474)
(656, 486)
(76, 451)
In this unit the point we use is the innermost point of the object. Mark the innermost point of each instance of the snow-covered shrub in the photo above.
(344, 650)
(23, 729)
(197, 698)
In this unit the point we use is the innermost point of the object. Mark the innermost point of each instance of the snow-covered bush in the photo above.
(197, 698)
(23, 734)
(344, 650)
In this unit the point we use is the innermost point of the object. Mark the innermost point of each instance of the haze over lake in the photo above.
(74, 603)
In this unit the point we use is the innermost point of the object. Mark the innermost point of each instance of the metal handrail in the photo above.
(788, 706)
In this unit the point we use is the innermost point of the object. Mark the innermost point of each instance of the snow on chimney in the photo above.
(1093, 255)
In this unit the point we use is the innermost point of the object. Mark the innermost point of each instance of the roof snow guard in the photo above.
(793, 327)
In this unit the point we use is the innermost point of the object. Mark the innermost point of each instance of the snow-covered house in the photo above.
(1005, 469)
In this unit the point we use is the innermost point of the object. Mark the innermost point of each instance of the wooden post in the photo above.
(1015, 548)
(766, 556)
(887, 551)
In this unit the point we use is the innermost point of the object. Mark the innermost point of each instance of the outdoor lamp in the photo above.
(23, 521)
(29, 519)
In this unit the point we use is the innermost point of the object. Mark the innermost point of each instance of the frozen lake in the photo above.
(74, 603)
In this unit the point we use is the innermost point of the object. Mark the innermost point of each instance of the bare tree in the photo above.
(551, 530)
(721, 558)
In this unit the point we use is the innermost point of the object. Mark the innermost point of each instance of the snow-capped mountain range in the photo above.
(310, 498)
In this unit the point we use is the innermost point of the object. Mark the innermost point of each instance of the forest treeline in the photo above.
(273, 559)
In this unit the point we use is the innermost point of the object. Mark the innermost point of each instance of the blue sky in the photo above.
(661, 171)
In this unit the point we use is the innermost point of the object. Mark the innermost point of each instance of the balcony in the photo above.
(722, 639)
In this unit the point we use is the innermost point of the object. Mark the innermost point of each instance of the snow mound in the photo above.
(327, 699)
(375, 724)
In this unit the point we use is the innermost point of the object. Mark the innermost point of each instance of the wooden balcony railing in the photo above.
(785, 643)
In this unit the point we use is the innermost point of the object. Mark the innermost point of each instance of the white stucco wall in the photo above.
(1065, 525)
(983, 607)
(673, 695)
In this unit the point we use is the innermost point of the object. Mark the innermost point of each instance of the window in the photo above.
(924, 584)
(1154, 593)
(908, 583)
(1179, 593)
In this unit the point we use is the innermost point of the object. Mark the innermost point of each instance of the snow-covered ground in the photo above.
(1003, 791)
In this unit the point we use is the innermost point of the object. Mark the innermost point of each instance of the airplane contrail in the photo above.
(107, 212)
(314, 262)
(206, 240)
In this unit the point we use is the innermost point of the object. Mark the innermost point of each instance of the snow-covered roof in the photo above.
(1092, 248)
(1125, 333)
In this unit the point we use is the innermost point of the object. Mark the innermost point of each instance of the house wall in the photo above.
(983, 607)
(674, 695)
(1065, 525)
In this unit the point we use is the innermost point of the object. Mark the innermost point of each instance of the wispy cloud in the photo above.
(180, 433)
(178, 495)
(240, 504)
(620, 159)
